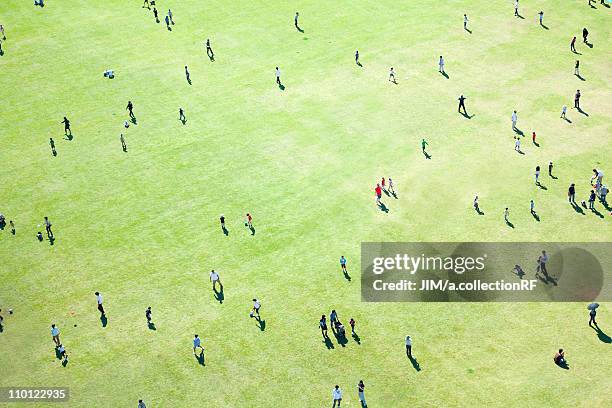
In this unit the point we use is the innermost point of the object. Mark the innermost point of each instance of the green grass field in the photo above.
(142, 227)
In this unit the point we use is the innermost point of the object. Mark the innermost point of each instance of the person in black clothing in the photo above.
(323, 326)
(39, 236)
(577, 68)
(182, 115)
(52, 144)
(592, 200)
(462, 104)
(12, 227)
(48, 228)
(585, 35)
(222, 220)
(209, 50)
(187, 74)
(571, 194)
(155, 14)
(592, 315)
(66, 123)
(550, 168)
(577, 99)
(130, 109)
(148, 315)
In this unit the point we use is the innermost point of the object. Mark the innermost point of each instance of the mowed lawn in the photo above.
(142, 227)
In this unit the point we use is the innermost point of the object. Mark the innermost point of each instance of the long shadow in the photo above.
(546, 279)
(104, 320)
(261, 324)
(346, 275)
(590, 45)
(200, 358)
(225, 231)
(189, 81)
(606, 5)
(544, 27)
(605, 204)
(518, 131)
(583, 112)
(597, 213)
(68, 137)
(468, 30)
(54, 152)
(383, 207)
(281, 87)
(577, 53)
(394, 195)
(445, 75)
(183, 121)
(521, 152)
(479, 211)
(415, 363)
(554, 177)
(359, 64)
(252, 229)
(219, 296)
(542, 186)
(521, 17)
(466, 115)
(602, 336)
(536, 144)
(427, 155)
(133, 120)
(57, 354)
(518, 271)
(567, 120)
(340, 339)
(508, 223)
(328, 343)
(580, 77)
(151, 326)
(386, 192)
(577, 208)
(356, 338)
(536, 216)
(564, 365)
(51, 240)
(299, 29)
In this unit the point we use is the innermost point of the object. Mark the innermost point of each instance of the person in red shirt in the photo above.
(352, 323)
(560, 359)
(249, 219)
(378, 191)
(533, 137)
(383, 184)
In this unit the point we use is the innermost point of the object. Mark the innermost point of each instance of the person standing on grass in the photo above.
(2, 31)
(423, 144)
(333, 317)
(249, 221)
(146, 4)
(533, 137)
(167, 20)
(573, 45)
(209, 50)
(170, 16)
(577, 68)
(148, 313)
(222, 221)
(48, 228)
(123, 145)
(409, 346)
(462, 104)
(256, 307)
(352, 322)
(214, 278)
(541, 16)
(323, 326)
(571, 194)
(603, 192)
(592, 197)
(514, 119)
(278, 73)
(197, 343)
(392, 75)
(585, 35)
(187, 74)
(507, 215)
(563, 111)
(130, 109)
(543, 261)
(295, 20)
(516, 5)
(155, 14)
(517, 144)
(550, 169)
(66, 123)
(181, 114)
(537, 175)
(141, 404)
(465, 22)
(55, 334)
(476, 207)
(383, 184)
(52, 144)
(532, 207)
(343, 263)
(13, 225)
(441, 65)
(577, 99)
(391, 186)
(357, 57)
(592, 315)
(378, 192)
(62, 353)
(1, 322)
(360, 392)
(337, 396)
(99, 301)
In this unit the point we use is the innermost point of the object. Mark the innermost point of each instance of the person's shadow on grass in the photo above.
(261, 324)
(415, 363)
(200, 358)
(479, 211)
(580, 77)
(281, 87)
(383, 207)
(444, 74)
(597, 213)
(427, 155)
(252, 229)
(225, 231)
(466, 115)
(581, 111)
(535, 216)
(104, 320)
(346, 275)
(328, 343)
(356, 338)
(601, 335)
(518, 131)
(508, 223)
(578, 209)
(219, 296)
(151, 326)
(544, 26)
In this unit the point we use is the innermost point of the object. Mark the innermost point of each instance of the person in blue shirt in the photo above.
(343, 263)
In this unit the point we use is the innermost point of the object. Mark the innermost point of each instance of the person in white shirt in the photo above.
(516, 13)
(476, 204)
(517, 145)
(563, 111)
(514, 120)
(441, 65)
(99, 300)
(256, 307)
(506, 215)
(543, 260)
(55, 334)
(141, 404)
(537, 175)
(409, 346)
(391, 186)
(337, 396)
(532, 207)
(465, 22)
(214, 278)
(392, 75)
(278, 81)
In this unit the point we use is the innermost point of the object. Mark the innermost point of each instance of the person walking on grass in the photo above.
(333, 317)
(214, 278)
(514, 119)
(360, 393)
(343, 263)
(392, 75)
(563, 111)
(141, 404)
(295, 20)
(532, 207)
(577, 68)
(592, 197)
(465, 22)
(197, 344)
(148, 313)
(61, 350)
(13, 225)
(249, 221)
(156, 15)
(352, 323)
(391, 190)
(167, 20)
(2, 32)
(323, 326)
(550, 169)
(441, 65)
(476, 207)
(423, 144)
(378, 192)
(130, 109)
(537, 175)
(462, 104)
(573, 45)
(170, 16)
(278, 74)
(585, 35)
(187, 74)
(66, 123)
(507, 215)
(592, 315)
(409, 346)
(181, 114)
(99, 301)
(209, 50)
(48, 228)
(571, 194)
(517, 144)
(222, 221)
(541, 16)
(55, 334)
(577, 99)
(357, 57)
(516, 6)
(123, 145)
(52, 144)
(255, 309)
(337, 396)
